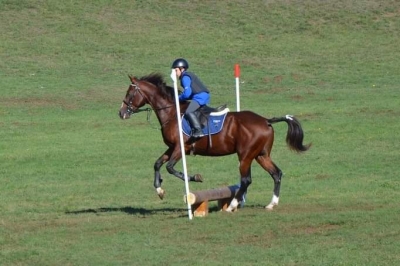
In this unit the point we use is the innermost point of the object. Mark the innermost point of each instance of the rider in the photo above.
(194, 90)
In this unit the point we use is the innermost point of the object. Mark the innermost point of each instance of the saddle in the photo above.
(204, 112)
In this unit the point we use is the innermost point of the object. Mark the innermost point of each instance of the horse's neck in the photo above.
(165, 110)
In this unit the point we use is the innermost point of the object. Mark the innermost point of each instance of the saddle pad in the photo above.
(214, 124)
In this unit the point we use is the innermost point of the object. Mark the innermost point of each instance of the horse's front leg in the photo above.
(175, 157)
(157, 175)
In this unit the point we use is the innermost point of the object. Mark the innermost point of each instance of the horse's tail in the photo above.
(295, 135)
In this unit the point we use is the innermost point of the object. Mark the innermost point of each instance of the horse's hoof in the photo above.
(231, 210)
(161, 193)
(198, 178)
(270, 207)
(233, 206)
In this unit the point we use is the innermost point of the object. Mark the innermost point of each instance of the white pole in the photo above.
(237, 75)
(178, 116)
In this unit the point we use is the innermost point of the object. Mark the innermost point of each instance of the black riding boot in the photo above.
(195, 125)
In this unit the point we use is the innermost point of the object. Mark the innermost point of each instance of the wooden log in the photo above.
(200, 209)
(200, 196)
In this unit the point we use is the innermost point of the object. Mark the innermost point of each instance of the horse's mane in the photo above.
(158, 80)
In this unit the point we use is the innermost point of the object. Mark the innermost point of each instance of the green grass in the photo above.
(77, 182)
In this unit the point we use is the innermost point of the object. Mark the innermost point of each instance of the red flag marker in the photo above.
(237, 70)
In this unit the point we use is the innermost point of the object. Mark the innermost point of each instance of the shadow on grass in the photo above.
(132, 211)
(180, 212)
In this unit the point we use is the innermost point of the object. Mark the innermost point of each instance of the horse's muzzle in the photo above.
(124, 115)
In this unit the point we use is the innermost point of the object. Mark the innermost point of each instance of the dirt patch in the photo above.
(297, 98)
(389, 112)
(38, 102)
(296, 77)
(270, 90)
(278, 79)
(322, 176)
(264, 240)
(320, 229)
(309, 116)
(392, 14)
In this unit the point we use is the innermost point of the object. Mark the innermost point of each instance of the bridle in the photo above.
(129, 105)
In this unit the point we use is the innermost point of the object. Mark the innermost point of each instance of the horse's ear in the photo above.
(132, 78)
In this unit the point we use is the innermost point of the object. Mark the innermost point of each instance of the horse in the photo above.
(245, 133)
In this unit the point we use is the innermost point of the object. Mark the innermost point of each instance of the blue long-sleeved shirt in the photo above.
(201, 98)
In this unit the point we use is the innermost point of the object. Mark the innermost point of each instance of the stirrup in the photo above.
(197, 134)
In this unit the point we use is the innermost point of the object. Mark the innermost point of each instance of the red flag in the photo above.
(237, 70)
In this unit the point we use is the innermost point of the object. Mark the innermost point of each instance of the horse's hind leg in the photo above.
(245, 181)
(276, 174)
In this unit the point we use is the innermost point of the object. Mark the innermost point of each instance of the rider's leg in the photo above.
(193, 120)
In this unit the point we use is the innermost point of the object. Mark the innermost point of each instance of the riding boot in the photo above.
(195, 125)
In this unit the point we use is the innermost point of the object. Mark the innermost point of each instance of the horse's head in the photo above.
(134, 99)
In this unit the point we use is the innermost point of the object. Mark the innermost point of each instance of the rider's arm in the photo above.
(187, 88)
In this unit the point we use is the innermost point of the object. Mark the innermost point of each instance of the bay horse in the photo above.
(245, 133)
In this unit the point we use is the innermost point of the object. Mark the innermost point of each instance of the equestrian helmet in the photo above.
(180, 63)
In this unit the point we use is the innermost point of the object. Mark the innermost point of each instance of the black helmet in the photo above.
(180, 62)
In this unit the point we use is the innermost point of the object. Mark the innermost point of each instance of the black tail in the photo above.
(295, 135)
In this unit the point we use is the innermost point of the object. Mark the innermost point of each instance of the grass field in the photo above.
(77, 182)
